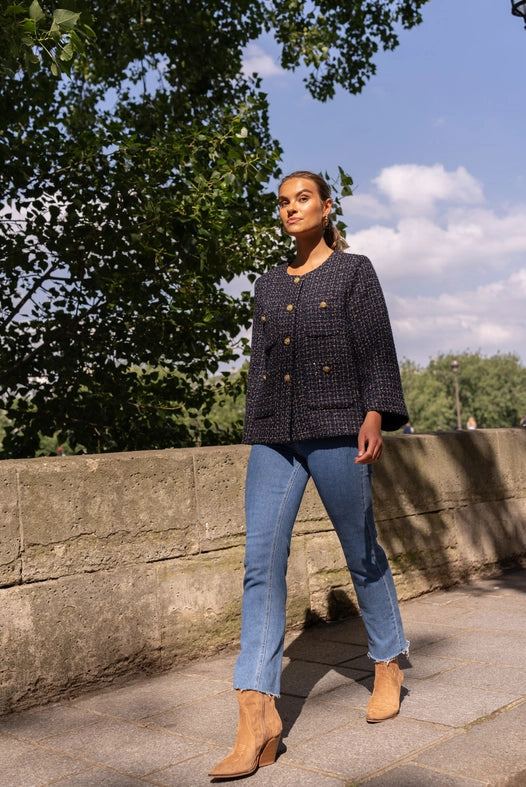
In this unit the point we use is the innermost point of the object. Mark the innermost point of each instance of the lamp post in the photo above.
(454, 368)
(518, 8)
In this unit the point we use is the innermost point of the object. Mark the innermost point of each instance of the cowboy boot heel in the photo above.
(270, 750)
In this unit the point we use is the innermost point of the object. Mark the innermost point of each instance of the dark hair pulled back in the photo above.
(331, 235)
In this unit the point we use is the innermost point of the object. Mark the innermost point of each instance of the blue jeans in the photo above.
(276, 479)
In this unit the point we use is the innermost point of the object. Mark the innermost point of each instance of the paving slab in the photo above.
(142, 699)
(492, 677)
(125, 747)
(38, 723)
(437, 702)
(415, 776)
(25, 764)
(483, 646)
(97, 777)
(193, 774)
(491, 749)
(353, 751)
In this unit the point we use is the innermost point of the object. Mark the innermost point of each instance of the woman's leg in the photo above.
(276, 481)
(345, 489)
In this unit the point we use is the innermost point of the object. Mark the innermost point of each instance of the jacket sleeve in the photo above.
(374, 350)
(256, 367)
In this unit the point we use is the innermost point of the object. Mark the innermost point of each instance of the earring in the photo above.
(325, 221)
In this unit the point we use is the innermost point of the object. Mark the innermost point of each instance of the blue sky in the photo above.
(436, 145)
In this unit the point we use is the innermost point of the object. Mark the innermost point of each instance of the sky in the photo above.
(436, 146)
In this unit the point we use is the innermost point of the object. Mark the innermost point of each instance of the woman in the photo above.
(323, 383)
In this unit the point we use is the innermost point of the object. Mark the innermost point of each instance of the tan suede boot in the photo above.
(257, 739)
(385, 701)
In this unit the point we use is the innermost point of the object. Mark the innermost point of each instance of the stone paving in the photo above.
(462, 721)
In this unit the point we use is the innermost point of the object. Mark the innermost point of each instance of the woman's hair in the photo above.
(332, 236)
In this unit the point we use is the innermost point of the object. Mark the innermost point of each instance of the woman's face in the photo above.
(301, 209)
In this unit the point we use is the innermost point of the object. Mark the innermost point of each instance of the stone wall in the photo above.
(115, 564)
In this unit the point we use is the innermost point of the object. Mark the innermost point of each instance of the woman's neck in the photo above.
(310, 256)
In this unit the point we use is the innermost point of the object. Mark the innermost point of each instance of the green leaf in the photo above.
(35, 11)
(64, 20)
(67, 52)
(29, 26)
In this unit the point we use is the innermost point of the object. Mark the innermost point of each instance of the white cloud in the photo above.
(368, 206)
(454, 274)
(488, 318)
(256, 60)
(456, 237)
(425, 248)
(413, 188)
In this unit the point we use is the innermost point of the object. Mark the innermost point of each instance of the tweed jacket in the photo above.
(322, 354)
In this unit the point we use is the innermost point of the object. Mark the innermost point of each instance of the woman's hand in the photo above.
(370, 442)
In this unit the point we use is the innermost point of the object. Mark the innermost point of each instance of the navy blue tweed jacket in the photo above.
(322, 354)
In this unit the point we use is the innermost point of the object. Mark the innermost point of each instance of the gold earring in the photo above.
(325, 221)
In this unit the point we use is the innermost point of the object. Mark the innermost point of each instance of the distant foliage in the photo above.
(491, 389)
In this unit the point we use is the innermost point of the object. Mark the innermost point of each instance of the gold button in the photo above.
(296, 279)
(264, 376)
(323, 305)
(263, 319)
(287, 340)
(290, 307)
(286, 377)
(326, 369)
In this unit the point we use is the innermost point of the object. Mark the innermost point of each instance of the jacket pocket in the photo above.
(330, 375)
(265, 396)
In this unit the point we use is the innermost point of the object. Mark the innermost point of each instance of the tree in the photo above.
(491, 389)
(3, 424)
(32, 37)
(134, 192)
